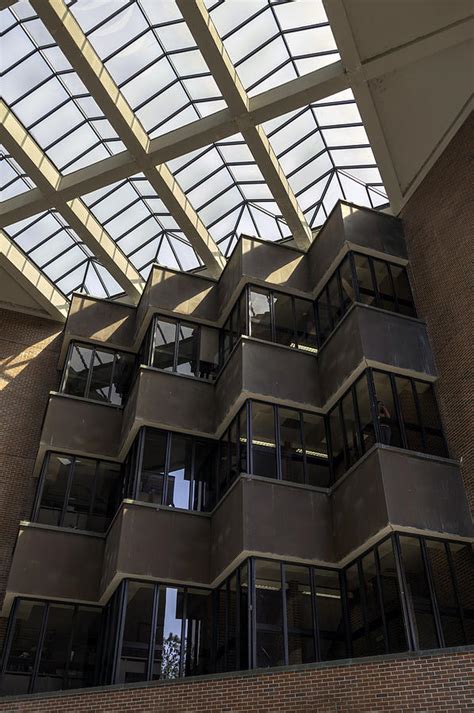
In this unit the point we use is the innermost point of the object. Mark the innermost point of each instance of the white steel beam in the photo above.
(33, 280)
(195, 135)
(217, 58)
(37, 165)
(69, 36)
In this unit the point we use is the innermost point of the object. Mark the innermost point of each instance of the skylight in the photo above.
(220, 185)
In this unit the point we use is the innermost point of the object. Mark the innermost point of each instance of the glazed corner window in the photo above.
(172, 469)
(77, 492)
(99, 374)
(50, 646)
(167, 632)
(184, 348)
(282, 318)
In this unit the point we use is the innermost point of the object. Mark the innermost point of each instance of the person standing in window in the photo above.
(383, 414)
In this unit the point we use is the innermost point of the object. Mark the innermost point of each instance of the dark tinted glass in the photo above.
(299, 612)
(107, 495)
(367, 432)
(419, 593)
(347, 287)
(84, 644)
(386, 296)
(353, 451)
(260, 324)
(263, 440)
(386, 411)
(409, 414)
(81, 494)
(203, 487)
(269, 614)
(101, 377)
(153, 468)
(167, 654)
(463, 565)
(429, 414)
(337, 443)
(391, 598)
(136, 634)
(376, 642)
(364, 280)
(208, 353)
(198, 632)
(335, 299)
(54, 489)
(55, 651)
(122, 377)
(164, 344)
(188, 349)
(24, 648)
(316, 450)
(324, 315)
(284, 319)
(355, 605)
(332, 636)
(403, 290)
(305, 325)
(292, 459)
(180, 471)
(78, 371)
(448, 605)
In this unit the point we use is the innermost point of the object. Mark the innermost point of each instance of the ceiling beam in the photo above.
(268, 105)
(32, 279)
(226, 76)
(42, 171)
(69, 36)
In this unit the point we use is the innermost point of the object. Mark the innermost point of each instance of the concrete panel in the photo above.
(102, 321)
(372, 230)
(425, 494)
(56, 564)
(81, 427)
(286, 521)
(340, 355)
(359, 507)
(164, 544)
(326, 246)
(227, 537)
(191, 296)
(276, 265)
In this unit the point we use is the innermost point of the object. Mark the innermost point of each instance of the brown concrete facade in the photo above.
(257, 516)
(438, 222)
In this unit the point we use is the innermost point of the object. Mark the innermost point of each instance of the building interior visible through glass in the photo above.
(405, 593)
(266, 440)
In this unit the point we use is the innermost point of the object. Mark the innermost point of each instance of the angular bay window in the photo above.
(81, 493)
(388, 409)
(362, 278)
(172, 469)
(182, 347)
(162, 632)
(98, 374)
(50, 646)
(282, 318)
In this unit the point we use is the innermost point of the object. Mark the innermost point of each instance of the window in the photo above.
(233, 452)
(264, 460)
(426, 634)
(51, 646)
(362, 278)
(77, 492)
(166, 633)
(182, 347)
(172, 469)
(269, 614)
(98, 374)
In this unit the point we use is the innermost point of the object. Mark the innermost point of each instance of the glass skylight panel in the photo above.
(13, 180)
(56, 249)
(272, 42)
(226, 188)
(48, 97)
(318, 148)
(139, 222)
(151, 55)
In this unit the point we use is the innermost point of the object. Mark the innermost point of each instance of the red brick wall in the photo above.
(438, 222)
(429, 683)
(29, 349)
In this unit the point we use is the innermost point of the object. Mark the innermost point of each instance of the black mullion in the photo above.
(176, 344)
(237, 618)
(226, 589)
(392, 282)
(252, 614)
(380, 599)
(454, 581)
(250, 436)
(70, 643)
(276, 424)
(344, 433)
(369, 377)
(293, 312)
(89, 375)
(164, 495)
(355, 281)
(109, 395)
(193, 468)
(303, 444)
(151, 345)
(405, 596)
(39, 650)
(345, 611)
(139, 462)
(284, 612)
(315, 614)
(418, 413)
(373, 277)
(363, 592)
(152, 642)
(40, 488)
(121, 614)
(432, 592)
(355, 405)
(272, 314)
(198, 355)
(68, 490)
(94, 488)
(398, 411)
(11, 625)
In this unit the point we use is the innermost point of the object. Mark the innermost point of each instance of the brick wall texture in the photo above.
(430, 683)
(29, 349)
(438, 222)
